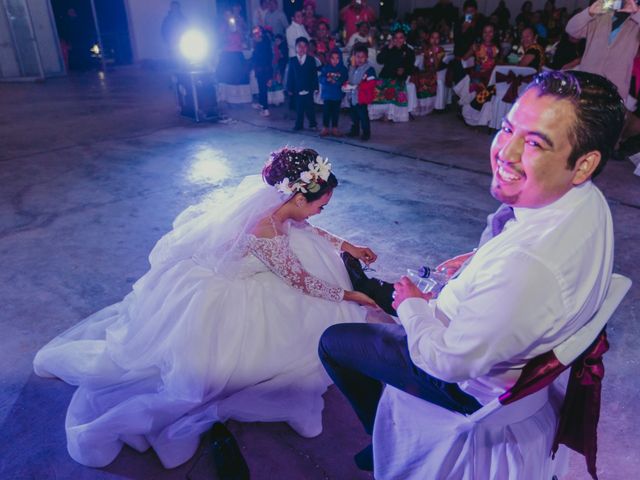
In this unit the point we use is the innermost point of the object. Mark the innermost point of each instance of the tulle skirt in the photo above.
(189, 347)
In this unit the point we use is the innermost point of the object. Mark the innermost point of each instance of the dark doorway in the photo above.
(77, 32)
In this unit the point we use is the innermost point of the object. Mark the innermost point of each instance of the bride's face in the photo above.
(309, 209)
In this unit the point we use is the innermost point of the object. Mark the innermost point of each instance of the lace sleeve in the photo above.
(335, 241)
(278, 257)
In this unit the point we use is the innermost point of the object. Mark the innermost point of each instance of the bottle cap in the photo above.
(424, 272)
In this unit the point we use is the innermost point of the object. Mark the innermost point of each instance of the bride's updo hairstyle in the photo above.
(291, 163)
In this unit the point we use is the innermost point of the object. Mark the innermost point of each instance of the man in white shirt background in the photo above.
(540, 273)
(274, 18)
(295, 31)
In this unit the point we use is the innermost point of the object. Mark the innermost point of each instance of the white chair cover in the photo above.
(631, 103)
(415, 439)
(443, 93)
(499, 108)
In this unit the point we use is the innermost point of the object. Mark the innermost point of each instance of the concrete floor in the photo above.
(93, 169)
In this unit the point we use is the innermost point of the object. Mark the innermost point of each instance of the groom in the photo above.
(540, 273)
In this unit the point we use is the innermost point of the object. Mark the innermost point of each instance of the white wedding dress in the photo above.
(223, 326)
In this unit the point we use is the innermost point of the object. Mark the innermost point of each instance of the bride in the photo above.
(225, 324)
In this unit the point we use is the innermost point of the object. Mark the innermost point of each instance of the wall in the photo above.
(145, 20)
(488, 6)
(36, 41)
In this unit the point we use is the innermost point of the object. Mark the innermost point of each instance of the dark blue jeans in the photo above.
(262, 77)
(362, 357)
(305, 106)
(360, 118)
(330, 113)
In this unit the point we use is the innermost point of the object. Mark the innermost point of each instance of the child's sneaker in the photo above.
(336, 133)
(324, 132)
(257, 106)
(265, 113)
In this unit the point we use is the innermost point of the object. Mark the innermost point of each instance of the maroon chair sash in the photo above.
(578, 426)
(514, 82)
(580, 412)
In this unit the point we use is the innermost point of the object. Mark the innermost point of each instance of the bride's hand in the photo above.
(365, 254)
(360, 298)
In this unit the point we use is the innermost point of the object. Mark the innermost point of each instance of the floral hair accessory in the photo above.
(309, 181)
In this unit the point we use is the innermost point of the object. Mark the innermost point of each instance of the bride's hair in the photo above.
(290, 163)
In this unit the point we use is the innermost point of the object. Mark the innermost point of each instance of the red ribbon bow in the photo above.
(514, 82)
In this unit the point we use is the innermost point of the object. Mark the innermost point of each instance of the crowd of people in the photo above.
(409, 56)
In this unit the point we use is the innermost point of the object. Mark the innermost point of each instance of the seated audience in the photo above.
(397, 60)
(486, 55)
(530, 53)
(426, 79)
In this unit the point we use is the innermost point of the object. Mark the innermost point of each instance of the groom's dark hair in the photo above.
(290, 163)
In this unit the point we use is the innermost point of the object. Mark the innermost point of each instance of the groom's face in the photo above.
(529, 154)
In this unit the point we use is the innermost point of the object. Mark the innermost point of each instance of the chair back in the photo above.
(575, 345)
(541, 371)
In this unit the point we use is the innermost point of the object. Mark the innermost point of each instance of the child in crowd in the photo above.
(332, 76)
(262, 65)
(302, 82)
(361, 87)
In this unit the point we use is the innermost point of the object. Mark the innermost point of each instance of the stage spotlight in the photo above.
(194, 46)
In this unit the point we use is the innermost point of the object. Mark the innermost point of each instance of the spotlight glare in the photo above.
(194, 46)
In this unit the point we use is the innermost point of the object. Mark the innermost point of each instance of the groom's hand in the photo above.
(404, 289)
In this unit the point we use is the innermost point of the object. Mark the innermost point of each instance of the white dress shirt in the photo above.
(523, 293)
(295, 31)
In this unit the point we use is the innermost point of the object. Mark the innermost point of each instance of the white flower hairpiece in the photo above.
(309, 181)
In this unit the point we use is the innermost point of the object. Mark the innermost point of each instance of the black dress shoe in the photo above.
(380, 291)
(230, 464)
(365, 136)
(353, 133)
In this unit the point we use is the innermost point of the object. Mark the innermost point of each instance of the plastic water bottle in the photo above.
(427, 279)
